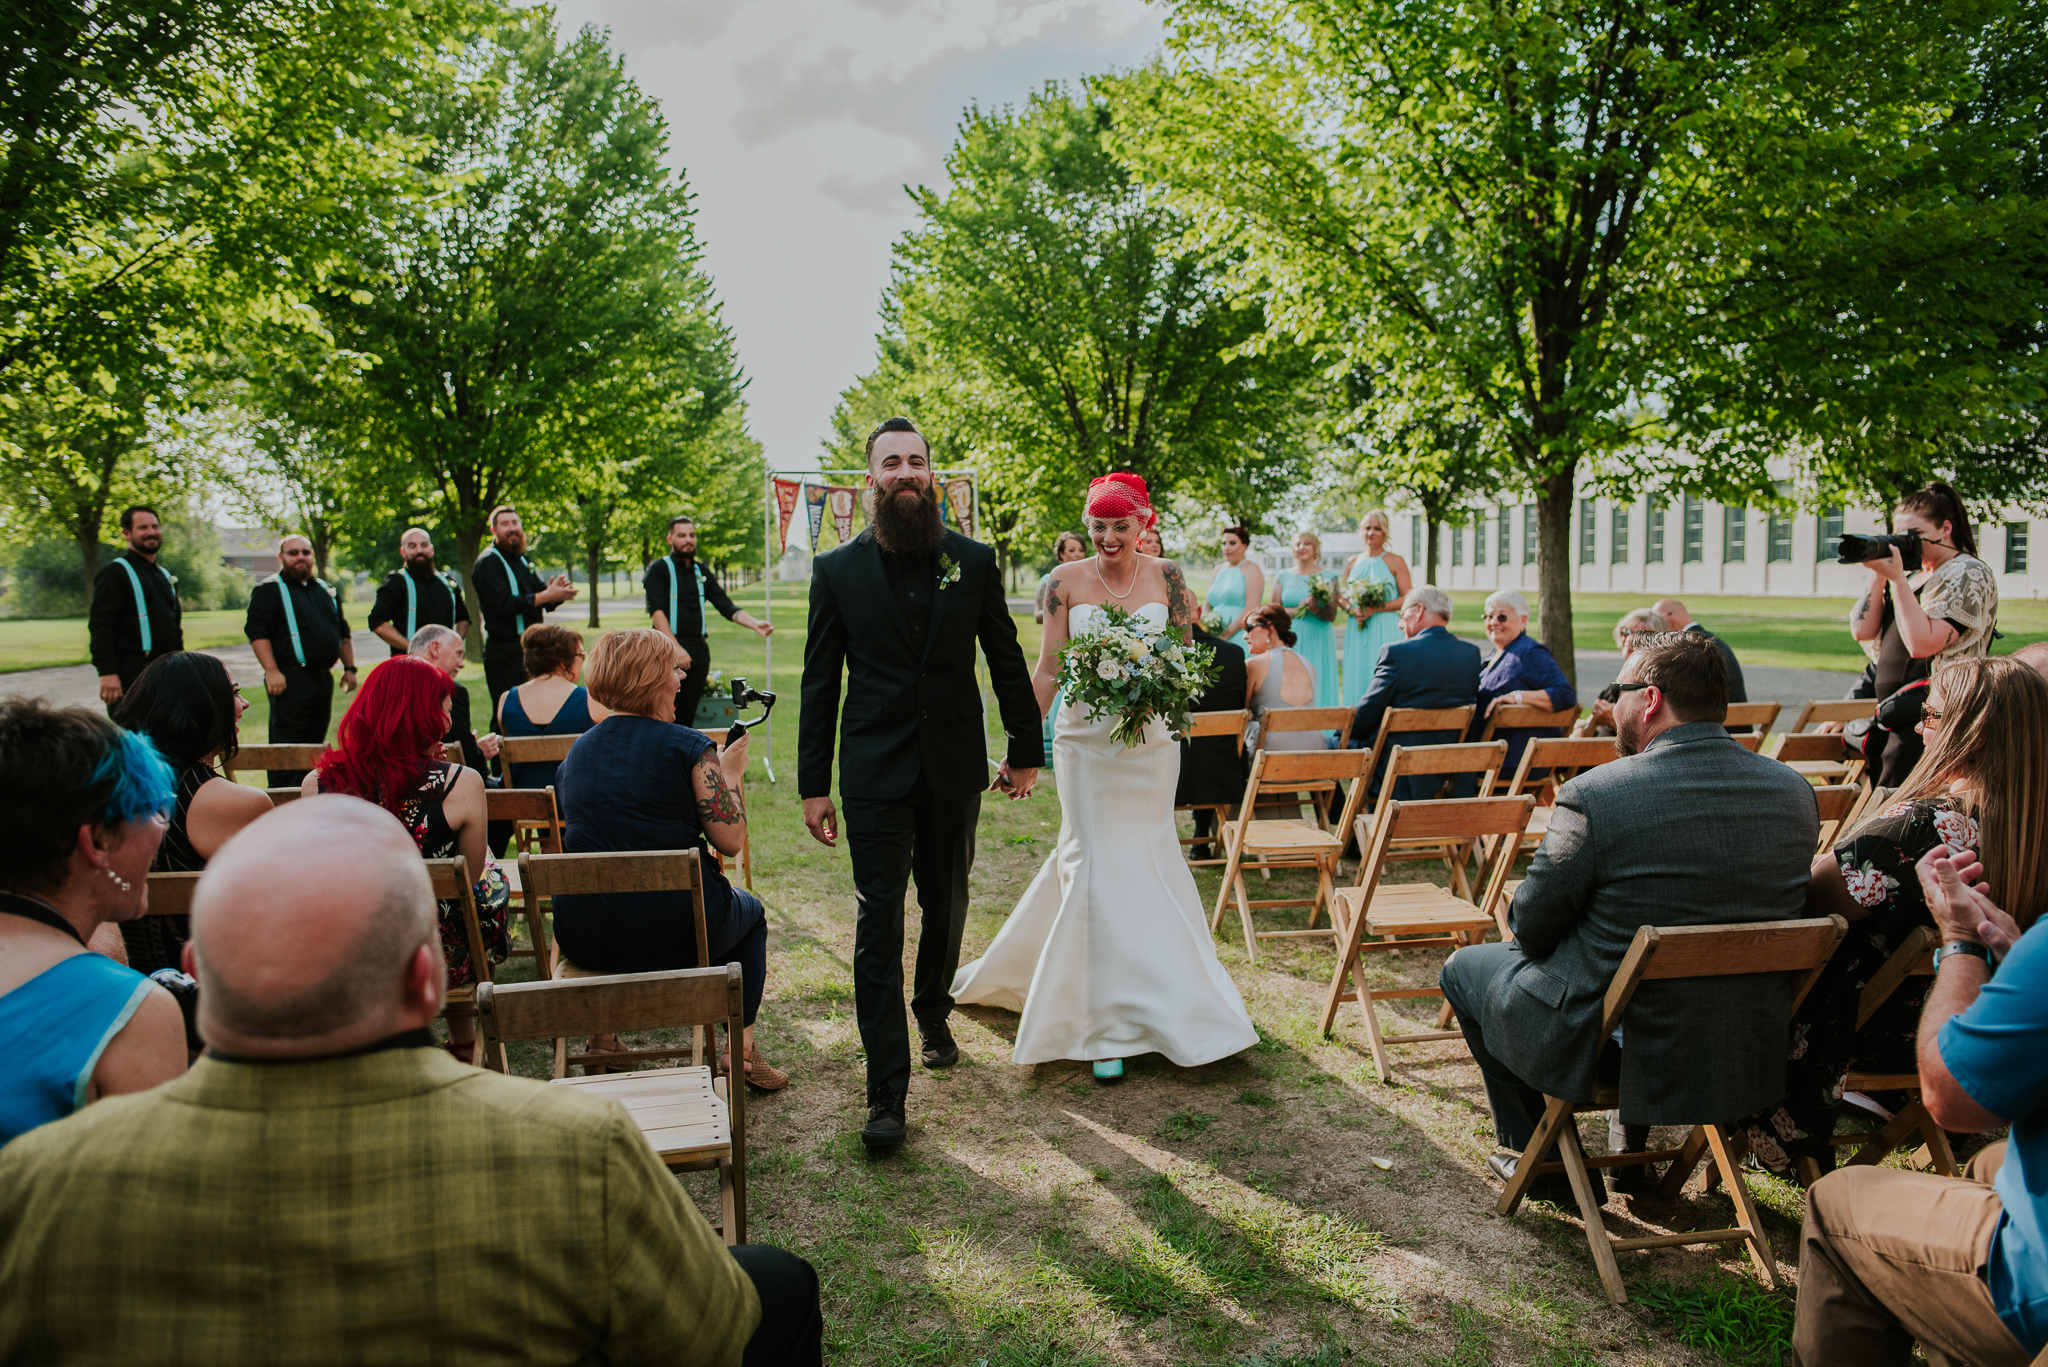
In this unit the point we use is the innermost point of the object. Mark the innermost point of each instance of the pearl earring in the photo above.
(124, 884)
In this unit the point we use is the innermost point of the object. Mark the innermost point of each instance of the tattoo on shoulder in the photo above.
(722, 802)
(1053, 600)
(1180, 601)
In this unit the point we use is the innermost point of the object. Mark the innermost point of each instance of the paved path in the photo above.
(70, 685)
(1766, 683)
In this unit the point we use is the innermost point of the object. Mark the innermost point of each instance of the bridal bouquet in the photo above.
(1125, 669)
(1321, 601)
(1367, 594)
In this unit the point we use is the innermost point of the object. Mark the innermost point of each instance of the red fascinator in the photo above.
(1122, 494)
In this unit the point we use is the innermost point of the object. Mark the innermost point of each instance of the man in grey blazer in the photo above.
(1687, 828)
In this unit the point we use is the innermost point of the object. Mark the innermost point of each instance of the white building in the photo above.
(1686, 546)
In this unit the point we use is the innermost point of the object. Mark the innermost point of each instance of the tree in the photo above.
(1587, 220)
(501, 327)
(73, 460)
(1415, 444)
(1053, 324)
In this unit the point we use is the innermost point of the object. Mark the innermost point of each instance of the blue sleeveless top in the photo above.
(54, 1027)
(572, 718)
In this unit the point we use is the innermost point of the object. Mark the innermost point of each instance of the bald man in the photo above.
(328, 1184)
(296, 628)
(1673, 611)
(417, 595)
(2035, 657)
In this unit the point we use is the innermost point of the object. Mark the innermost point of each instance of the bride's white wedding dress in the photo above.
(1108, 953)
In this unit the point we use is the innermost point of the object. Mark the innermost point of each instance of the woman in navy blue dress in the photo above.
(551, 702)
(639, 781)
(1522, 673)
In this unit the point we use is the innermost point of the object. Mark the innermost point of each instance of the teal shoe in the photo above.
(1108, 1069)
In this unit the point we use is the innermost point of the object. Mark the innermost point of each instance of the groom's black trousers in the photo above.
(932, 839)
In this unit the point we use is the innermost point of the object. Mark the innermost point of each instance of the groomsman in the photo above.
(678, 591)
(417, 595)
(513, 598)
(136, 615)
(296, 629)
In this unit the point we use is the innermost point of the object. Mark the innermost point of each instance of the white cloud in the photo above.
(798, 124)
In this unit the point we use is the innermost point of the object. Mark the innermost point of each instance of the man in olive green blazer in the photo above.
(327, 1185)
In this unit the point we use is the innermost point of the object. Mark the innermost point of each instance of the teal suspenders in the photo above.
(703, 619)
(412, 601)
(512, 586)
(291, 616)
(141, 607)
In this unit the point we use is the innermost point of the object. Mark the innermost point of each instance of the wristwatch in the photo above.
(1965, 947)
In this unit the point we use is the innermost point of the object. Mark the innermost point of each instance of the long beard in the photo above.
(1628, 739)
(906, 526)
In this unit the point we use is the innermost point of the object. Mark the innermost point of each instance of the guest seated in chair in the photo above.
(641, 781)
(445, 651)
(1212, 768)
(551, 702)
(1687, 828)
(1889, 1256)
(327, 1185)
(83, 804)
(1431, 668)
(1521, 673)
(1635, 624)
(189, 707)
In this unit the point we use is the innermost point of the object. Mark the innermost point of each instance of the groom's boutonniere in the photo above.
(949, 571)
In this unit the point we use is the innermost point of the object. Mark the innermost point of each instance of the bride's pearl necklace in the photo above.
(1128, 588)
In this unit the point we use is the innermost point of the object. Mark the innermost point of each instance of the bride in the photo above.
(1108, 953)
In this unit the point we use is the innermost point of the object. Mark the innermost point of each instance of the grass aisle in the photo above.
(1221, 1215)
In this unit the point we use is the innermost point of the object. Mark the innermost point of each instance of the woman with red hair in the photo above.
(390, 754)
(1108, 953)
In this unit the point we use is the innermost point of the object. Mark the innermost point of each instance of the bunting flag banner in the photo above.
(787, 492)
(814, 511)
(956, 496)
(844, 498)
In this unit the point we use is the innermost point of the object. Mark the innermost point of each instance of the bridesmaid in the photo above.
(1237, 585)
(1316, 639)
(1382, 625)
(1066, 546)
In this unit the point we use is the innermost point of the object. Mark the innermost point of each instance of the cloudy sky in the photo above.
(798, 122)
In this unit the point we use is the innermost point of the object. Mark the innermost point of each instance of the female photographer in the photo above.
(1912, 630)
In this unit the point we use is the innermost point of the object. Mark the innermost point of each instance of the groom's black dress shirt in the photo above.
(914, 578)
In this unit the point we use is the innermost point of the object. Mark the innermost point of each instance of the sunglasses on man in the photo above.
(1612, 693)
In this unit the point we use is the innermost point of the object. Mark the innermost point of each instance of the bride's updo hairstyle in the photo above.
(1122, 494)
(1275, 619)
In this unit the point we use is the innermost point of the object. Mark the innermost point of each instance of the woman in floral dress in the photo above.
(1982, 785)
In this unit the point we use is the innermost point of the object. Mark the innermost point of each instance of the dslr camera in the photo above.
(1858, 550)
(744, 695)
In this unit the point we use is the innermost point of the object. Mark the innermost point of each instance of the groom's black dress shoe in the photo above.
(939, 1049)
(885, 1129)
(1554, 1187)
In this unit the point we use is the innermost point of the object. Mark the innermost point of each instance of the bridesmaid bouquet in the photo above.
(1212, 622)
(1366, 594)
(1321, 601)
(1125, 669)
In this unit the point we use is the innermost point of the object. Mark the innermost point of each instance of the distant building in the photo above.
(252, 550)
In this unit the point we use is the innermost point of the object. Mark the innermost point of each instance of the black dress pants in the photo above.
(932, 839)
(504, 667)
(691, 691)
(300, 714)
(792, 1328)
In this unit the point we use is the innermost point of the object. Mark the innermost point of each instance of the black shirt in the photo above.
(322, 628)
(915, 581)
(509, 608)
(439, 599)
(672, 571)
(115, 627)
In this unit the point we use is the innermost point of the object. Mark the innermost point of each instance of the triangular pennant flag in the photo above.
(814, 510)
(844, 498)
(958, 496)
(787, 492)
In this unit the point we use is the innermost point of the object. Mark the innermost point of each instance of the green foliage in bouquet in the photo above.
(1123, 668)
(1322, 600)
(1366, 594)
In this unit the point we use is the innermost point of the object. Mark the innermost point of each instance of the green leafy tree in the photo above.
(1613, 231)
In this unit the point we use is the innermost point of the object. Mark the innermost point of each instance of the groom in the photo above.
(900, 607)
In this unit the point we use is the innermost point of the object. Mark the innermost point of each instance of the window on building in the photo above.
(1587, 549)
(1503, 545)
(1695, 531)
(2015, 548)
(1479, 536)
(1778, 530)
(1528, 533)
(1457, 542)
(1829, 532)
(1653, 541)
(1618, 535)
(1734, 535)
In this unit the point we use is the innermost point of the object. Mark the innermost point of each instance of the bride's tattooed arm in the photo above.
(1181, 608)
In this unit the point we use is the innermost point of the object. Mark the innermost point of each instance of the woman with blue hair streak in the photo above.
(84, 806)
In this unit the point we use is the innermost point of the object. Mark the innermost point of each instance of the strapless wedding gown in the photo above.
(1108, 953)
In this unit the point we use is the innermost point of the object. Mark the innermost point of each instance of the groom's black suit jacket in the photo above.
(908, 710)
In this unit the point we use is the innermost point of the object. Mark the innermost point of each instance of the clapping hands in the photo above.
(1960, 902)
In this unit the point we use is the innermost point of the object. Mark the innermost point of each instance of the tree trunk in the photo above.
(89, 553)
(593, 557)
(1430, 542)
(469, 544)
(1554, 568)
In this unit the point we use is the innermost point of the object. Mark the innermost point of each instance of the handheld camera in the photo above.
(1857, 550)
(744, 694)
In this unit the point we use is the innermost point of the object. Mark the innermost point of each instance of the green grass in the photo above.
(44, 643)
(1737, 1320)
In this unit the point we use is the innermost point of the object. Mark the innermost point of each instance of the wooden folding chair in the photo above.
(251, 759)
(1821, 758)
(693, 1121)
(451, 880)
(280, 796)
(170, 894)
(1517, 717)
(1662, 954)
(1564, 758)
(1203, 725)
(1841, 711)
(1838, 803)
(746, 840)
(1412, 914)
(553, 875)
(1752, 741)
(1914, 958)
(1250, 843)
(1425, 761)
(533, 750)
(536, 829)
(1397, 720)
(1757, 714)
